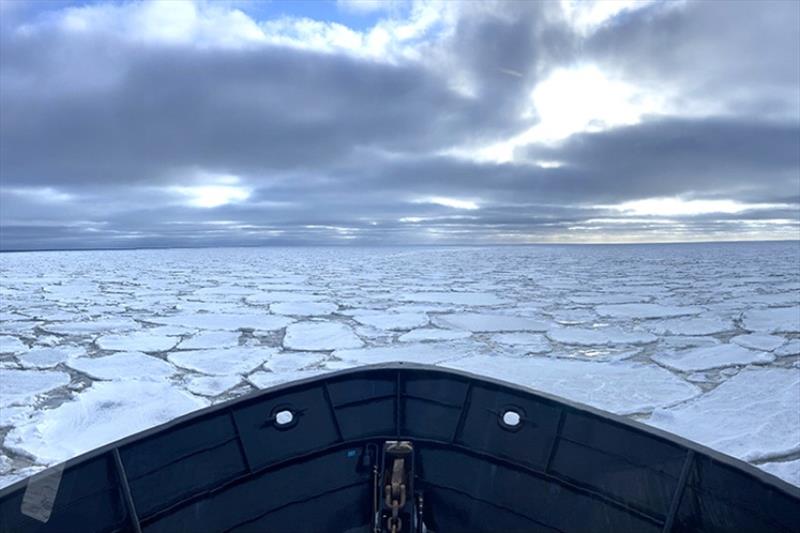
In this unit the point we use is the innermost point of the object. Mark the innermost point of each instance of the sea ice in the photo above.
(105, 412)
(9, 344)
(264, 380)
(456, 298)
(599, 337)
(292, 361)
(393, 321)
(752, 416)
(211, 339)
(123, 365)
(717, 356)
(320, 336)
(49, 357)
(530, 342)
(790, 348)
(645, 311)
(303, 308)
(13, 415)
(773, 320)
(432, 353)
(92, 327)
(759, 341)
(226, 321)
(620, 387)
(141, 341)
(691, 326)
(433, 334)
(789, 471)
(22, 386)
(223, 361)
(282, 296)
(480, 322)
(211, 385)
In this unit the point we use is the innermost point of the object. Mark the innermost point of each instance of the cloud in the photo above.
(153, 123)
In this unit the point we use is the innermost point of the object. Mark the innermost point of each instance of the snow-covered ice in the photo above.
(773, 320)
(211, 385)
(123, 365)
(303, 308)
(433, 334)
(49, 357)
(691, 326)
(393, 321)
(142, 341)
(103, 413)
(790, 348)
(717, 356)
(21, 386)
(226, 321)
(435, 352)
(751, 416)
(484, 322)
(457, 298)
(645, 311)
(633, 328)
(9, 344)
(636, 387)
(600, 336)
(531, 342)
(222, 361)
(316, 336)
(786, 470)
(210, 339)
(759, 341)
(292, 361)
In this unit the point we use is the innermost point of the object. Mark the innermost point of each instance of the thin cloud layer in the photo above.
(183, 124)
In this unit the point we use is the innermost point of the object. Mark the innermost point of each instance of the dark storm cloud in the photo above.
(748, 160)
(97, 128)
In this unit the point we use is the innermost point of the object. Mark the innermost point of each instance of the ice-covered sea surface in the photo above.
(700, 340)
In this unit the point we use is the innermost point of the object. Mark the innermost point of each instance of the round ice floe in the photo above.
(530, 342)
(211, 339)
(21, 386)
(211, 385)
(303, 308)
(141, 341)
(292, 361)
(773, 320)
(225, 361)
(718, 356)
(599, 337)
(49, 357)
(457, 298)
(318, 336)
(393, 321)
(226, 321)
(484, 322)
(690, 326)
(759, 341)
(123, 365)
(645, 311)
(433, 334)
(9, 344)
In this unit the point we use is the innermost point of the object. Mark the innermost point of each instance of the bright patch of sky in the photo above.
(680, 207)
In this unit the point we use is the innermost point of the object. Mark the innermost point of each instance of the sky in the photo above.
(177, 123)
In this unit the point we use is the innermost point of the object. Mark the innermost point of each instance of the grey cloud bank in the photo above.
(125, 125)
